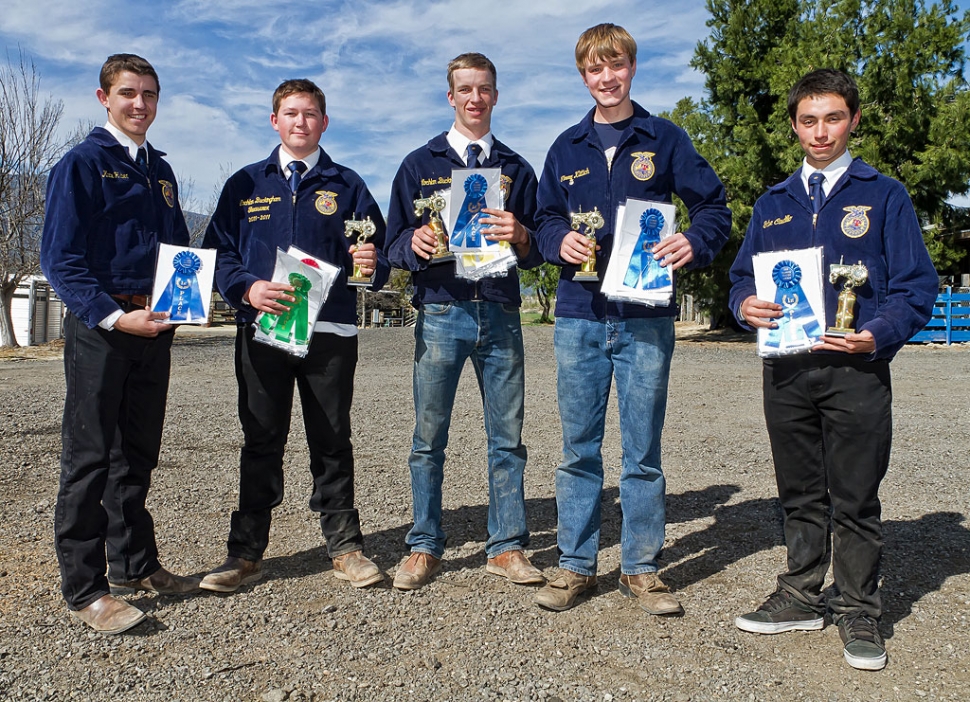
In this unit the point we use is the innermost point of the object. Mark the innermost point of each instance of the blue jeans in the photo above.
(490, 334)
(589, 354)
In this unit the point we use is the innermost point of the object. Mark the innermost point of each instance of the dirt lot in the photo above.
(300, 634)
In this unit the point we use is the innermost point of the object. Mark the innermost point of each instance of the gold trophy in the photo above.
(435, 203)
(364, 230)
(855, 275)
(592, 221)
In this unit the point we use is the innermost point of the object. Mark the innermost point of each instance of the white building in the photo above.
(38, 313)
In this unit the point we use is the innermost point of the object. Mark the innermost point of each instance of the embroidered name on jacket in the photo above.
(856, 222)
(778, 220)
(571, 177)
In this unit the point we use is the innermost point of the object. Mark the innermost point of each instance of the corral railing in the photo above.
(950, 322)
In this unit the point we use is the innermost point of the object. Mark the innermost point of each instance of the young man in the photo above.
(618, 151)
(308, 198)
(110, 201)
(829, 413)
(459, 320)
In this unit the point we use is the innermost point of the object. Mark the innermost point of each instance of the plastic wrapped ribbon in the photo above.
(798, 323)
(468, 229)
(182, 298)
(644, 271)
(292, 325)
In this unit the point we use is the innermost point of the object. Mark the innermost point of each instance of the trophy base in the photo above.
(443, 257)
(584, 277)
(359, 282)
(838, 332)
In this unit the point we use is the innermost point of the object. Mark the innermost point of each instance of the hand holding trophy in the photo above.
(591, 221)
(364, 230)
(855, 276)
(435, 203)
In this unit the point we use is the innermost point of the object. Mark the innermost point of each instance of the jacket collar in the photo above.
(858, 170)
(102, 137)
(643, 123)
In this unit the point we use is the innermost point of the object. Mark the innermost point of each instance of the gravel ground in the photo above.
(300, 634)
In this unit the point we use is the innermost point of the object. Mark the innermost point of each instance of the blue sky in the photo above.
(380, 62)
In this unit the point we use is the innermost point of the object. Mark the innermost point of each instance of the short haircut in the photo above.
(604, 41)
(824, 81)
(471, 60)
(119, 63)
(295, 86)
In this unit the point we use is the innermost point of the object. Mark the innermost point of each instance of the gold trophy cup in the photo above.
(435, 203)
(592, 221)
(855, 275)
(363, 230)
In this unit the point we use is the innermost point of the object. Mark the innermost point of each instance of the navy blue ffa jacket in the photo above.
(104, 221)
(868, 218)
(257, 214)
(427, 170)
(654, 159)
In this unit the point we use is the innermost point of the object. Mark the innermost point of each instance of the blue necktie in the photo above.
(296, 172)
(815, 191)
(141, 160)
(471, 155)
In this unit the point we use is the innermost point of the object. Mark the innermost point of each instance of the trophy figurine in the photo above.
(435, 203)
(592, 221)
(364, 230)
(855, 275)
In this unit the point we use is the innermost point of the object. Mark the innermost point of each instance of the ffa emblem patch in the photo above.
(642, 167)
(856, 223)
(326, 202)
(168, 192)
(505, 183)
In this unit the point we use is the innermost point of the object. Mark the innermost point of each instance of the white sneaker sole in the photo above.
(860, 663)
(778, 627)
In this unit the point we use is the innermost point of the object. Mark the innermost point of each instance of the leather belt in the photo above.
(131, 302)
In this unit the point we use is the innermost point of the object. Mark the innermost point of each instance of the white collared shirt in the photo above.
(459, 142)
(286, 159)
(126, 141)
(832, 172)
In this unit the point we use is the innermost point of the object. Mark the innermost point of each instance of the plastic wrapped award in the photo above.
(183, 283)
(476, 257)
(311, 279)
(633, 274)
(792, 279)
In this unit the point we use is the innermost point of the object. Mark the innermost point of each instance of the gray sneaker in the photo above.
(781, 612)
(864, 648)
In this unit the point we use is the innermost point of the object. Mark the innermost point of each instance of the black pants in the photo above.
(112, 431)
(325, 378)
(829, 419)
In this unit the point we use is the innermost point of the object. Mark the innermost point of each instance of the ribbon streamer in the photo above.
(182, 298)
(468, 230)
(292, 325)
(644, 271)
(798, 325)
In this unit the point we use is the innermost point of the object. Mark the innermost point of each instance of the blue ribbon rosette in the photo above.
(798, 326)
(645, 272)
(468, 229)
(182, 298)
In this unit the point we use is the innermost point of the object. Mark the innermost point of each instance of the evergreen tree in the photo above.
(908, 59)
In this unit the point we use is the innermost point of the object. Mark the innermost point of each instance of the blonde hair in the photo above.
(471, 60)
(604, 41)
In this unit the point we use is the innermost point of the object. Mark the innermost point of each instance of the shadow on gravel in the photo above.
(738, 531)
(919, 555)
